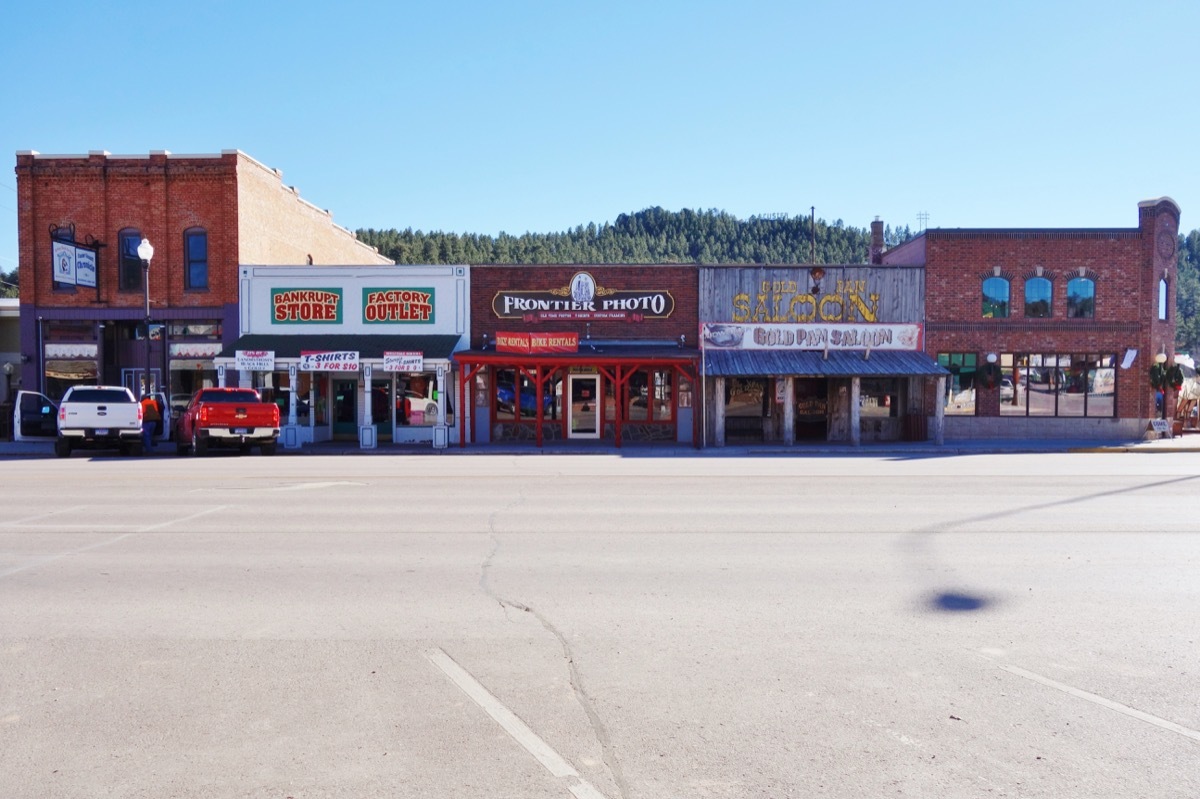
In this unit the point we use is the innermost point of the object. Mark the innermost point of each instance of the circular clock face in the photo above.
(1166, 246)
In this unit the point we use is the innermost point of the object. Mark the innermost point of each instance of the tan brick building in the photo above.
(83, 303)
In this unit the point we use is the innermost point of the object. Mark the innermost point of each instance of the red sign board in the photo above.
(529, 343)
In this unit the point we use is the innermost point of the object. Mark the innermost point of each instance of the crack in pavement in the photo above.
(599, 730)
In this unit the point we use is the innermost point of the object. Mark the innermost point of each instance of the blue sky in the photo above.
(537, 116)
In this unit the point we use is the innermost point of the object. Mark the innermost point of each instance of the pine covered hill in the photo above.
(652, 236)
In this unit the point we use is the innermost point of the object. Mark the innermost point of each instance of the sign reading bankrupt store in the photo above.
(306, 306)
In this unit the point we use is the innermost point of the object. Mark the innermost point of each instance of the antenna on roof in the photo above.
(813, 224)
(923, 220)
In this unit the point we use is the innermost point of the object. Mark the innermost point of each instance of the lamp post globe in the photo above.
(145, 252)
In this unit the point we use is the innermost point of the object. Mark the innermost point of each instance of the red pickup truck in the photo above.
(227, 417)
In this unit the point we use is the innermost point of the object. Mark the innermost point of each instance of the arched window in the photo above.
(129, 274)
(1037, 297)
(1081, 298)
(995, 298)
(195, 249)
(1162, 298)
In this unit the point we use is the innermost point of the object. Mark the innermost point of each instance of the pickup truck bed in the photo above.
(99, 417)
(227, 417)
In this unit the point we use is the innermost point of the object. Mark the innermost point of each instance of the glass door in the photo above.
(345, 409)
(585, 406)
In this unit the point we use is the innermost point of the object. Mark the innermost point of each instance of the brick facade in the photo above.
(249, 216)
(1126, 266)
(681, 281)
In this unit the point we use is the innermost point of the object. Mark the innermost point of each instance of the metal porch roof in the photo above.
(367, 346)
(810, 363)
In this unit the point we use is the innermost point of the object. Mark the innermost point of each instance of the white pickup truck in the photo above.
(99, 417)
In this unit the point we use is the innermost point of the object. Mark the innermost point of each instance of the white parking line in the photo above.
(1108, 703)
(51, 558)
(519, 730)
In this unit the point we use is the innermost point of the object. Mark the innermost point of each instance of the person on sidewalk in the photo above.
(151, 416)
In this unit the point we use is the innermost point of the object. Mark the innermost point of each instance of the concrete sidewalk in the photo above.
(1188, 442)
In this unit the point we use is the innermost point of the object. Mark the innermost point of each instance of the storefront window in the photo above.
(513, 390)
(276, 387)
(71, 356)
(649, 396)
(417, 398)
(879, 396)
(1052, 384)
(961, 384)
(61, 374)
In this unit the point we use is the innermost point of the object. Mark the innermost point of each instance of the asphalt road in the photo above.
(598, 626)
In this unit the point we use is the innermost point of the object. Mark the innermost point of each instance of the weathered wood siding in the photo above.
(848, 293)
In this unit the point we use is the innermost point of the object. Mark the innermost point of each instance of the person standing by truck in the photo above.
(151, 416)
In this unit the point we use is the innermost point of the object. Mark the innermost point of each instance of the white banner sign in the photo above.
(255, 360)
(404, 362)
(64, 263)
(85, 267)
(834, 336)
(346, 361)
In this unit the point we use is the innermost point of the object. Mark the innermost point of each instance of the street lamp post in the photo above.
(145, 251)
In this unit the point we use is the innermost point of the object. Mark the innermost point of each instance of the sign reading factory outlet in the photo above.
(345, 361)
(583, 299)
(528, 343)
(733, 336)
(392, 306)
(306, 306)
(411, 362)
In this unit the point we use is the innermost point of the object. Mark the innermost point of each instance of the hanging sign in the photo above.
(404, 362)
(85, 267)
(345, 361)
(254, 360)
(64, 263)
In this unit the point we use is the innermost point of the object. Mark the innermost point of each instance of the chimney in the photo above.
(877, 241)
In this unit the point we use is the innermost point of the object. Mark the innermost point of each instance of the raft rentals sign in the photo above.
(528, 343)
(306, 306)
(397, 306)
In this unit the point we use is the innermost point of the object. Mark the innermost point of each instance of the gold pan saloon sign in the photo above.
(583, 299)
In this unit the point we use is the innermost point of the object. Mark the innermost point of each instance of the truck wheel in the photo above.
(62, 448)
(267, 449)
(199, 445)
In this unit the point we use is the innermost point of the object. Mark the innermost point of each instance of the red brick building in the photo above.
(1050, 332)
(83, 297)
(606, 353)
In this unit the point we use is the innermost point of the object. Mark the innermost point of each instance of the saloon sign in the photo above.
(583, 299)
(727, 336)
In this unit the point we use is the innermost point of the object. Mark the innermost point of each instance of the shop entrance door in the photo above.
(812, 408)
(584, 421)
(345, 409)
